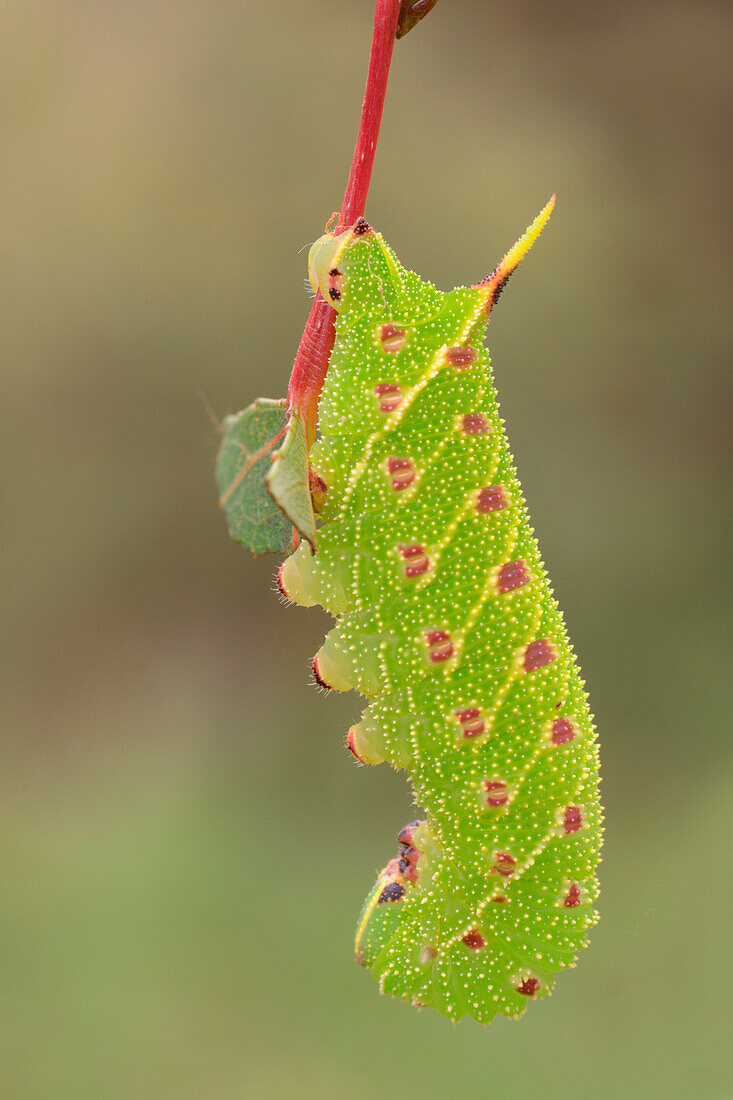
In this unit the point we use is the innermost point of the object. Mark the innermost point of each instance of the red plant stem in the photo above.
(311, 361)
(357, 188)
(311, 364)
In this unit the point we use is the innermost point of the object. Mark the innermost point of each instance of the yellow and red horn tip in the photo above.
(497, 280)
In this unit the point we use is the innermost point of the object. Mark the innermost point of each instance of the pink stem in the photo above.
(357, 188)
(311, 361)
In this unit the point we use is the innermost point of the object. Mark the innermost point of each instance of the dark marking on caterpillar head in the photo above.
(392, 337)
(572, 819)
(361, 226)
(334, 294)
(537, 654)
(496, 792)
(490, 499)
(471, 722)
(334, 273)
(402, 472)
(393, 891)
(505, 864)
(562, 731)
(528, 986)
(460, 358)
(473, 940)
(416, 560)
(474, 424)
(389, 396)
(513, 574)
(572, 898)
(440, 646)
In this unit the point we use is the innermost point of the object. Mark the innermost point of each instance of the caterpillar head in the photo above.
(328, 261)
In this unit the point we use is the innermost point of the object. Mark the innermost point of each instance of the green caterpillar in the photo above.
(447, 624)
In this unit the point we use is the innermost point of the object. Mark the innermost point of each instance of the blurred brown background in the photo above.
(186, 843)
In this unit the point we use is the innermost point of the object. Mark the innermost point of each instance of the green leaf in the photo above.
(243, 461)
(287, 480)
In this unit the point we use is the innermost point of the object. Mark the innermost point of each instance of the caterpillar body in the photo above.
(447, 624)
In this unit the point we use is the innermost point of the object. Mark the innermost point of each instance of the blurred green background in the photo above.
(186, 843)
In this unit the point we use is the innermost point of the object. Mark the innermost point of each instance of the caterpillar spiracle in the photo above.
(446, 622)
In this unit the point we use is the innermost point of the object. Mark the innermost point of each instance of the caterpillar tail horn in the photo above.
(497, 280)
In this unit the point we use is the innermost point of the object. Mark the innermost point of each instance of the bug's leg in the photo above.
(362, 747)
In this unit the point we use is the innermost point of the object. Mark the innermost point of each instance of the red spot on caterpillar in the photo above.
(441, 647)
(461, 358)
(393, 891)
(427, 954)
(505, 864)
(514, 574)
(389, 396)
(474, 940)
(361, 226)
(402, 473)
(563, 731)
(537, 654)
(490, 499)
(572, 820)
(528, 986)
(417, 562)
(406, 834)
(474, 424)
(572, 898)
(471, 721)
(392, 338)
(496, 792)
(499, 899)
